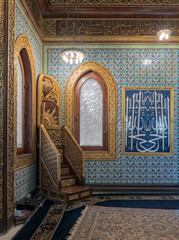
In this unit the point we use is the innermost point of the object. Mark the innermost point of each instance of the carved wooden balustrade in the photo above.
(56, 135)
(74, 155)
(49, 164)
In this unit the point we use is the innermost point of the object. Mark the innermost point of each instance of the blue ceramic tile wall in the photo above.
(128, 69)
(25, 181)
(22, 26)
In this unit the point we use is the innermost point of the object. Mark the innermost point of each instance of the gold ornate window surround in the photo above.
(81, 70)
(22, 42)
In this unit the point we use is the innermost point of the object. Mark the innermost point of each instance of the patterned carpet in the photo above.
(109, 223)
(54, 220)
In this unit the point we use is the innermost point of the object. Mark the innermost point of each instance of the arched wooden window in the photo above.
(24, 103)
(91, 113)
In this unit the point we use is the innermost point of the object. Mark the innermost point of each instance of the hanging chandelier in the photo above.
(72, 55)
(164, 34)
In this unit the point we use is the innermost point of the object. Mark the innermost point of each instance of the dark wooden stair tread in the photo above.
(67, 176)
(65, 165)
(74, 189)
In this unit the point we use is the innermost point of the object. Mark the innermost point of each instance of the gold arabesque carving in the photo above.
(49, 162)
(49, 91)
(2, 71)
(115, 28)
(22, 42)
(74, 153)
(7, 26)
(111, 154)
(10, 109)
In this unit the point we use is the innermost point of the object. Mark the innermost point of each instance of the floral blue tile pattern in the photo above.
(129, 69)
(23, 26)
(25, 181)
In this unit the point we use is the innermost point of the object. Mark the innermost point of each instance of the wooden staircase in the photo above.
(61, 159)
(61, 169)
(70, 188)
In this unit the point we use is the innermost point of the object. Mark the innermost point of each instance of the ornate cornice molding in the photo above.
(108, 30)
(114, 3)
(105, 30)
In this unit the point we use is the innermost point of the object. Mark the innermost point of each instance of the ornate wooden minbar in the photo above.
(61, 159)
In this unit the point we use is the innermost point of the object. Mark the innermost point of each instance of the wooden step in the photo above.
(74, 193)
(68, 180)
(65, 169)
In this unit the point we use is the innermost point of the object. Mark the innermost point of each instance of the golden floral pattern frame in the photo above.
(22, 42)
(111, 154)
(54, 95)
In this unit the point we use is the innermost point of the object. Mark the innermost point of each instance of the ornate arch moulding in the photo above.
(49, 90)
(22, 42)
(111, 154)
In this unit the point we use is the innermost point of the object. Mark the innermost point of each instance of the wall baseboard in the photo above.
(135, 188)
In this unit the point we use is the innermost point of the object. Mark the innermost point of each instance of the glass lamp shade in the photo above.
(72, 55)
(164, 34)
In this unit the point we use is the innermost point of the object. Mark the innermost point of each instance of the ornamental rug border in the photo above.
(50, 222)
(147, 120)
(112, 223)
(96, 199)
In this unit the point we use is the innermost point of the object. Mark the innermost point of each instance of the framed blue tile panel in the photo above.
(147, 121)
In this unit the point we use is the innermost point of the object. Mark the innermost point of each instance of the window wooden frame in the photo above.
(27, 103)
(78, 86)
(23, 46)
(22, 149)
(78, 72)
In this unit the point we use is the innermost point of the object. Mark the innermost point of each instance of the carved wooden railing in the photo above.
(74, 155)
(56, 135)
(50, 161)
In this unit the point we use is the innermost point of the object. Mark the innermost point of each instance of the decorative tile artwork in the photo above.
(148, 121)
(129, 68)
(25, 181)
(23, 26)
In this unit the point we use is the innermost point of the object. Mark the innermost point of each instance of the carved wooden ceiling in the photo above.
(109, 8)
(105, 21)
